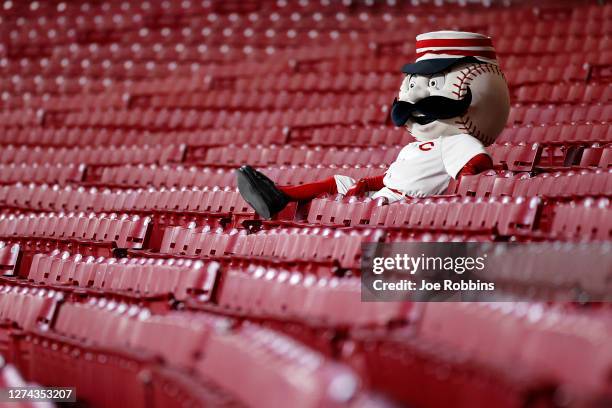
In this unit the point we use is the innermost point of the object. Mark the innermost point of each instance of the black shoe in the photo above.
(260, 192)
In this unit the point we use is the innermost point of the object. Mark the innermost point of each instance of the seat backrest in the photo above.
(9, 259)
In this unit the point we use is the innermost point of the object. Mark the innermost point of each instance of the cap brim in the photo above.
(433, 66)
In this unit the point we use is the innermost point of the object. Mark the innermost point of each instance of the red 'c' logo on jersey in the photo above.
(426, 146)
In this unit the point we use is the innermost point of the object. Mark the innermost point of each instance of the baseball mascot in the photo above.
(454, 100)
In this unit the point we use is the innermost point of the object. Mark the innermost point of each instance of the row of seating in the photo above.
(378, 83)
(27, 78)
(41, 173)
(27, 307)
(43, 100)
(256, 32)
(233, 358)
(239, 291)
(270, 293)
(544, 271)
(551, 114)
(150, 119)
(73, 137)
(68, 199)
(550, 44)
(259, 99)
(323, 136)
(23, 91)
(505, 216)
(328, 247)
(360, 136)
(317, 82)
(249, 99)
(586, 220)
(23, 118)
(168, 176)
(88, 330)
(228, 201)
(43, 79)
(188, 119)
(390, 362)
(181, 176)
(207, 344)
(283, 13)
(517, 157)
(543, 28)
(514, 73)
(126, 232)
(563, 93)
(233, 155)
(289, 37)
(567, 132)
(93, 155)
(539, 338)
(37, 161)
(144, 278)
(561, 184)
(592, 59)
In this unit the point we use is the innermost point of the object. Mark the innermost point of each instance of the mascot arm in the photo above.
(477, 164)
(366, 184)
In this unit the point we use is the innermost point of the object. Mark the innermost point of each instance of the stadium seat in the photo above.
(586, 220)
(233, 357)
(124, 231)
(314, 245)
(144, 278)
(291, 295)
(9, 259)
(550, 358)
(133, 270)
(505, 216)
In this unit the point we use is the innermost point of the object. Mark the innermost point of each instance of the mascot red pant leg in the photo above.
(268, 199)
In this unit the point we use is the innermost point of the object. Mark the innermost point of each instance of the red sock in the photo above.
(312, 190)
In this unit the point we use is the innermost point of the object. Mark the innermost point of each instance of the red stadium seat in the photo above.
(133, 270)
(585, 220)
(9, 258)
(545, 355)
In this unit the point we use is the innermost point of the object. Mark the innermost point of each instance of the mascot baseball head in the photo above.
(455, 86)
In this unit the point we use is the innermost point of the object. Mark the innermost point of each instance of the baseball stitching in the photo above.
(467, 75)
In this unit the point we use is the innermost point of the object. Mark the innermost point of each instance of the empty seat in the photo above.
(41, 173)
(28, 307)
(313, 245)
(259, 357)
(504, 215)
(261, 291)
(519, 157)
(273, 155)
(9, 258)
(523, 335)
(96, 155)
(140, 277)
(586, 220)
(126, 232)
